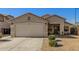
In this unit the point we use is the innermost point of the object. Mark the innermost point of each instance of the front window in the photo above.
(66, 28)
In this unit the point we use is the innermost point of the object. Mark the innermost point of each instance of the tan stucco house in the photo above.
(5, 21)
(31, 25)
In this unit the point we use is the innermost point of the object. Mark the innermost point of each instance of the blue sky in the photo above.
(68, 13)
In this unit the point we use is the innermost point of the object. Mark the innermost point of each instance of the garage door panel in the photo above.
(36, 29)
(22, 30)
(30, 29)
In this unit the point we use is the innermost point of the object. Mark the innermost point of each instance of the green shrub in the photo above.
(1, 35)
(51, 37)
(52, 43)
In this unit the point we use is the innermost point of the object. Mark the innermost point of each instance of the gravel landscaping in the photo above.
(64, 44)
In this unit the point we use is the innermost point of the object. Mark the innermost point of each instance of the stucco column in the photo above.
(45, 30)
(0, 28)
(0, 31)
(13, 30)
(69, 29)
(61, 29)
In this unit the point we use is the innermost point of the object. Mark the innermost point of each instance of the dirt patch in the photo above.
(65, 44)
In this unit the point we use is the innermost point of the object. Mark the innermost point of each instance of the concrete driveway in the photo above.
(21, 44)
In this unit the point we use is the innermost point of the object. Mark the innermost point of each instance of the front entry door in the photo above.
(56, 29)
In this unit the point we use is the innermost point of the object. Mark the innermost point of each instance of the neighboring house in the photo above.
(5, 23)
(78, 29)
(30, 25)
(77, 25)
(68, 28)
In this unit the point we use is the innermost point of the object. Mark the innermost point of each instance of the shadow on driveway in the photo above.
(4, 40)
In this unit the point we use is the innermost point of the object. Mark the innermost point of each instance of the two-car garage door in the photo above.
(30, 29)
